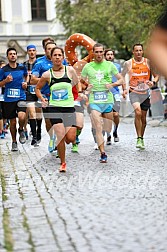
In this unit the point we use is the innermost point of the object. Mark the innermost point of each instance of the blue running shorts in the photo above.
(101, 107)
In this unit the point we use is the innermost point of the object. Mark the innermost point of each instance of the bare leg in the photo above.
(13, 129)
(144, 123)
(138, 115)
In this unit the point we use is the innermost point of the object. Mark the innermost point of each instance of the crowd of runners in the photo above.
(49, 89)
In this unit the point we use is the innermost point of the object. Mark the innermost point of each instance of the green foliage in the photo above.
(117, 24)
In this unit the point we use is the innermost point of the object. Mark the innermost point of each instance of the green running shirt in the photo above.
(61, 90)
(99, 74)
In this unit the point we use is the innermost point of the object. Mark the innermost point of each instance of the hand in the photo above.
(44, 102)
(24, 85)
(89, 87)
(82, 96)
(9, 78)
(108, 85)
(124, 93)
(150, 83)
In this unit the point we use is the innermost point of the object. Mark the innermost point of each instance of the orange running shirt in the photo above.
(139, 74)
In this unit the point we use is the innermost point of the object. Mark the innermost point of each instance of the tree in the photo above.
(116, 24)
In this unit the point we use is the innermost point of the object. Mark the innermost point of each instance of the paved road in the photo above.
(120, 206)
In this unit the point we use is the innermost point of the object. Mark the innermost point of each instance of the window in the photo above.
(38, 9)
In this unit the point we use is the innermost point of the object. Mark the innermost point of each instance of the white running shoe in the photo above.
(96, 147)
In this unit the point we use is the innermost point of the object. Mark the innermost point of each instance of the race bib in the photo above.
(1, 97)
(117, 97)
(59, 95)
(31, 89)
(13, 93)
(141, 87)
(100, 96)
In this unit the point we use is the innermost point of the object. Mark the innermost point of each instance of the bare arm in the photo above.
(119, 81)
(125, 71)
(9, 78)
(73, 75)
(76, 81)
(34, 79)
(42, 81)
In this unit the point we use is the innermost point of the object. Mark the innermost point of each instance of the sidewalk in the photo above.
(119, 206)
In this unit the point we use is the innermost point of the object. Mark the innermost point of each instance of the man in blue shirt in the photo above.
(13, 77)
(34, 114)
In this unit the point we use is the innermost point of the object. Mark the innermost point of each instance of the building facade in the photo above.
(24, 22)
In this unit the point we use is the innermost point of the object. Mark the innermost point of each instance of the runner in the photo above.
(99, 73)
(13, 77)
(34, 114)
(110, 56)
(40, 67)
(2, 132)
(138, 69)
(60, 79)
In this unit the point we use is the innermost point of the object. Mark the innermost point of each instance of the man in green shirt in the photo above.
(98, 74)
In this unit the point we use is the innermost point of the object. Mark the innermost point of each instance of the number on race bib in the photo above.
(100, 96)
(13, 93)
(59, 95)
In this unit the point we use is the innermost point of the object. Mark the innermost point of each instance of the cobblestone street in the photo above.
(120, 206)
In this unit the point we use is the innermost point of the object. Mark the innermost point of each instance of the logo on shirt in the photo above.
(99, 75)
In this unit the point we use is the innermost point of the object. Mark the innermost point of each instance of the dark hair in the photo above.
(137, 44)
(98, 45)
(10, 49)
(45, 40)
(56, 47)
(107, 50)
(50, 43)
(2, 62)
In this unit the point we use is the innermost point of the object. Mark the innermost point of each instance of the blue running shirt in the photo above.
(13, 90)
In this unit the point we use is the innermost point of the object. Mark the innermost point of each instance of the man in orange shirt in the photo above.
(138, 69)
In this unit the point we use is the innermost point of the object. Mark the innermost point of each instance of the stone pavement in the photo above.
(120, 206)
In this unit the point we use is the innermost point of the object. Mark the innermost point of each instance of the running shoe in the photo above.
(139, 143)
(5, 128)
(96, 147)
(34, 142)
(142, 147)
(116, 138)
(108, 140)
(14, 147)
(22, 137)
(103, 158)
(75, 148)
(62, 167)
(52, 144)
(38, 136)
(26, 134)
(2, 135)
(57, 154)
(5, 131)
